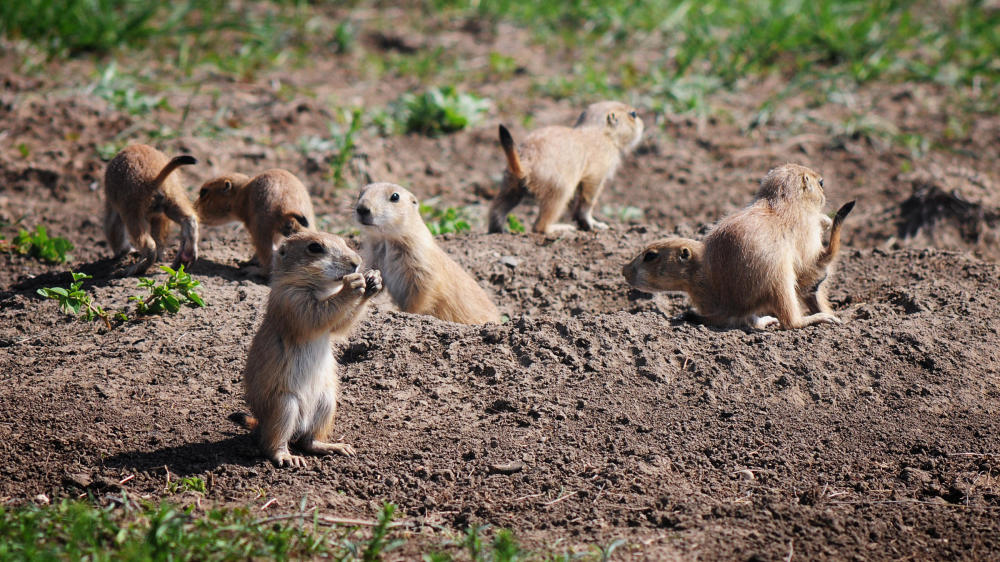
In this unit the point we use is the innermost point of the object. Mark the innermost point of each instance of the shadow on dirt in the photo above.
(192, 458)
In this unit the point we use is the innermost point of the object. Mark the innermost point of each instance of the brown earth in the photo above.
(596, 412)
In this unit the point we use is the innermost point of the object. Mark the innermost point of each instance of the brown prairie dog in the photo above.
(140, 194)
(291, 378)
(421, 278)
(564, 166)
(764, 259)
(272, 205)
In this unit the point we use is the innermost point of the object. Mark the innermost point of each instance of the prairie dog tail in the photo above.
(244, 420)
(513, 160)
(175, 162)
(292, 223)
(834, 246)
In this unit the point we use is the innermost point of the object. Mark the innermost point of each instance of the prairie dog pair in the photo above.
(272, 205)
(767, 258)
(291, 383)
(141, 194)
(563, 166)
(421, 278)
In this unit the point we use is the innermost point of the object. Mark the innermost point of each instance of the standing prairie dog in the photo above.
(272, 205)
(140, 195)
(564, 166)
(767, 258)
(421, 278)
(291, 378)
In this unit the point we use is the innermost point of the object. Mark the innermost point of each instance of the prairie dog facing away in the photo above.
(421, 278)
(563, 166)
(767, 258)
(290, 377)
(272, 205)
(141, 194)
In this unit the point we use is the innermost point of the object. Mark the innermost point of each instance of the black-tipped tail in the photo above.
(184, 160)
(244, 420)
(844, 211)
(506, 140)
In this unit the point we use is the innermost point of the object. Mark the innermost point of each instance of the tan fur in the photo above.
(764, 259)
(291, 375)
(812, 281)
(272, 205)
(566, 167)
(421, 278)
(140, 195)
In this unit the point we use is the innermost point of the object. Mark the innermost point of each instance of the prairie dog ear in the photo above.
(227, 186)
(612, 119)
(685, 254)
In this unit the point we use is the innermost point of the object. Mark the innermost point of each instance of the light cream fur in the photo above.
(565, 167)
(419, 275)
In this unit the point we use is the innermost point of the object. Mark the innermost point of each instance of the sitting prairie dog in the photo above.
(272, 205)
(564, 166)
(421, 278)
(764, 259)
(140, 195)
(291, 378)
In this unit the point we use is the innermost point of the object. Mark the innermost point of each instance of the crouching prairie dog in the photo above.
(290, 379)
(141, 196)
(272, 205)
(765, 259)
(563, 166)
(421, 278)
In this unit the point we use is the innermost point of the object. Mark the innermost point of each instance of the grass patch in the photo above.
(439, 111)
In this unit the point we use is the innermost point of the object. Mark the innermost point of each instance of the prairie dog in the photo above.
(140, 195)
(290, 377)
(812, 281)
(764, 259)
(272, 205)
(421, 278)
(564, 166)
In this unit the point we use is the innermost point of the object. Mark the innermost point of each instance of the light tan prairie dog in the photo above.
(141, 196)
(272, 205)
(767, 258)
(564, 166)
(291, 383)
(421, 278)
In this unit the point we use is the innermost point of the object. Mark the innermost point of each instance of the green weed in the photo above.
(75, 300)
(40, 245)
(169, 295)
(23, 149)
(443, 221)
(186, 484)
(344, 144)
(514, 225)
(122, 94)
(439, 111)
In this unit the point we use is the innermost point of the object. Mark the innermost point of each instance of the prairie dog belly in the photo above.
(312, 375)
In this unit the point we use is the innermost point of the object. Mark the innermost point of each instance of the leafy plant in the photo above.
(344, 144)
(39, 244)
(169, 295)
(75, 300)
(187, 484)
(514, 224)
(443, 221)
(439, 111)
(121, 93)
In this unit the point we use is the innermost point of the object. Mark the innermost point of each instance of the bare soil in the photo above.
(596, 412)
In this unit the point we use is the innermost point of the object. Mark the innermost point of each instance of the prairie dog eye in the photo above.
(203, 192)
(394, 197)
(821, 182)
(650, 256)
(633, 114)
(315, 248)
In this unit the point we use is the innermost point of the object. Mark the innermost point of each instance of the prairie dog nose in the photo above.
(363, 211)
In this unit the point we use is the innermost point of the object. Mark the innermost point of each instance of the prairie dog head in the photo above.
(621, 121)
(793, 183)
(216, 198)
(387, 209)
(314, 259)
(665, 265)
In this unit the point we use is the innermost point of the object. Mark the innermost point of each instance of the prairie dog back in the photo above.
(141, 195)
(566, 167)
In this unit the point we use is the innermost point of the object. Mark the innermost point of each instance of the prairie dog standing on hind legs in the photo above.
(272, 205)
(767, 258)
(291, 378)
(564, 166)
(421, 278)
(140, 195)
